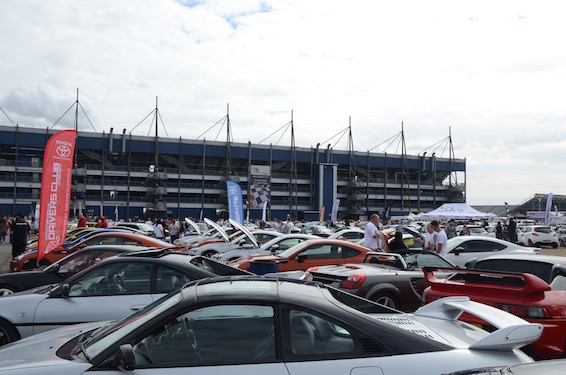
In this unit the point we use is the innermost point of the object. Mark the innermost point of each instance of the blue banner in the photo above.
(235, 202)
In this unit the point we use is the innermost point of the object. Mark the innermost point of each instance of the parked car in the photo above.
(60, 270)
(474, 230)
(28, 260)
(352, 234)
(561, 232)
(393, 280)
(310, 253)
(538, 235)
(519, 292)
(275, 246)
(108, 290)
(463, 248)
(246, 239)
(261, 325)
(147, 229)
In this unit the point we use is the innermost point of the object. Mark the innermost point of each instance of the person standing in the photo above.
(82, 221)
(451, 230)
(428, 243)
(174, 230)
(440, 239)
(464, 231)
(373, 238)
(102, 223)
(4, 226)
(158, 229)
(499, 230)
(289, 226)
(512, 228)
(20, 235)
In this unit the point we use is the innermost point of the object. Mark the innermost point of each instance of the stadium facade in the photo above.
(140, 176)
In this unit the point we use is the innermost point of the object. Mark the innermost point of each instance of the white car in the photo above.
(538, 235)
(474, 230)
(349, 234)
(461, 249)
(273, 246)
(258, 326)
(246, 240)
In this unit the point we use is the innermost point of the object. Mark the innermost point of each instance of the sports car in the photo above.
(279, 327)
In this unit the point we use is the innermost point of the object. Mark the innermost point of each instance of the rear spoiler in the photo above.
(459, 281)
(512, 332)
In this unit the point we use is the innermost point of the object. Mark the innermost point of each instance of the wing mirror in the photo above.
(125, 358)
(301, 257)
(274, 248)
(458, 250)
(65, 290)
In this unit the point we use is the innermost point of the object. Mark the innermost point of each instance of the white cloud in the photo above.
(492, 72)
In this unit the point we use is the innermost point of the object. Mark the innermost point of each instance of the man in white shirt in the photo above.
(428, 243)
(289, 226)
(440, 238)
(373, 238)
(158, 229)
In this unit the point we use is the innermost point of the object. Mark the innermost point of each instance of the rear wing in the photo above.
(460, 281)
(512, 332)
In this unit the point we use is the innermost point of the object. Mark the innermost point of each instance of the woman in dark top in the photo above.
(398, 244)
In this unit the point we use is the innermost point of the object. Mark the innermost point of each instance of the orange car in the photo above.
(308, 254)
(28, 260)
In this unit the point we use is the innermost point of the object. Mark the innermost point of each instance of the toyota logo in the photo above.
(63, 151)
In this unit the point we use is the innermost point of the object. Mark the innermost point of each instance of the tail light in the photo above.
(535, 234)
(524, 311)
(312, 269)
(354, 281)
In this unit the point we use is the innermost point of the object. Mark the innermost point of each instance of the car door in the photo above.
(109, 291)
(319, 255)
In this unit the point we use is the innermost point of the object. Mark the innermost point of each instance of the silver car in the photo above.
(280, 327)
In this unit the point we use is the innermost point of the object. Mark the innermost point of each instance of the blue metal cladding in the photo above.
(329, 188)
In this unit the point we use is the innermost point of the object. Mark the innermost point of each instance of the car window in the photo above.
(316, 337)
(168, 279)
(285, 244)
(540, 269)
(327, 251)
(208, 336)
(80, 261)
(113, 279)
(419, 260)
(559, 283)
(542, 230)
(480, 246)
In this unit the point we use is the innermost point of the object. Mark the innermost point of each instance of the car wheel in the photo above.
(386, 299)
(209, 253)
(7, 289)
(554, 245)
(8, 333)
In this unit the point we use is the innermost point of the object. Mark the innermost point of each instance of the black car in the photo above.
(391, 279)
(59, 271)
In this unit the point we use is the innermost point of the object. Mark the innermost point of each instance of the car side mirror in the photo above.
(558, 270)
(242, 242)
(55, 268)
(274, 248)
(65, 288)
(125, 358)
(301, 257)
(471, 263)
(458, 250)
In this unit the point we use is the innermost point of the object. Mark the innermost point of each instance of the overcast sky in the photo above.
(491, 71)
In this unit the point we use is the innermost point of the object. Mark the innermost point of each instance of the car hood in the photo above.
(39, 351)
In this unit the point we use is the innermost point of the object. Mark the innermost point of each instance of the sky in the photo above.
(489, 73)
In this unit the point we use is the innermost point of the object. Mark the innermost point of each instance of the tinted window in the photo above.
(326, 251)
(168, 279)
(114, 279)
(214, 335)
(542, 230)
(285, 244)
(479, 246)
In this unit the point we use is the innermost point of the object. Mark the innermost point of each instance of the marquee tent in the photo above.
(456, 211)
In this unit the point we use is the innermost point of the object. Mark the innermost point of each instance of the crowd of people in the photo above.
(18, 229)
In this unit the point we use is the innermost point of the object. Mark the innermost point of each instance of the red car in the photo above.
(309, 254)
(524, 295)
(28, 260)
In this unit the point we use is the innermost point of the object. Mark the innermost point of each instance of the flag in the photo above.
(235, 202)
(334, 215)
(116, 213)
(548, 208)
(264, 213)
(321, 218)
(56, 191)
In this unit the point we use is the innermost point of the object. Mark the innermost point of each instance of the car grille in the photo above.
(416, 289)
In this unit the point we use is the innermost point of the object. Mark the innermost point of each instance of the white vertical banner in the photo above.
(334, 215)
(548, 208)
(263, 214)
(116, 213)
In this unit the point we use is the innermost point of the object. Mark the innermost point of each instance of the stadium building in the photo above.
(134, 177)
